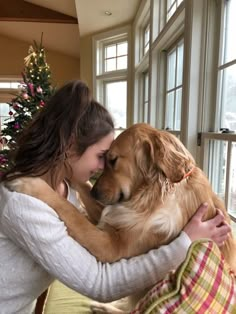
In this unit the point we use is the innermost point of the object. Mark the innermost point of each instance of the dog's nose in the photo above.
(94, 193)
(121, 198)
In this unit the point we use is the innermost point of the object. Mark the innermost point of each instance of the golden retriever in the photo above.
(151, 186)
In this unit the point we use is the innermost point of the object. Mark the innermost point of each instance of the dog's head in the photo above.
(137, 157)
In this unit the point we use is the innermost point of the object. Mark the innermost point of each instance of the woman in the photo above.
(67, 140)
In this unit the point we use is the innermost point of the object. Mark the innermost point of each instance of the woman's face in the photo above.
(91, 161)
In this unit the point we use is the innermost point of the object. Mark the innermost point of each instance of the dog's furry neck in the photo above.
(152, 206)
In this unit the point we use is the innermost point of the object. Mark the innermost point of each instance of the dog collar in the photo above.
(188, 173)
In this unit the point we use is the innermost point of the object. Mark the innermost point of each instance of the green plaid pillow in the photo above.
(202, 284)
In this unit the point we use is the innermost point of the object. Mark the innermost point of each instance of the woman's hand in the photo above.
(216, 229)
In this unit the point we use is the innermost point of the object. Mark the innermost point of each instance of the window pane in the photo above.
(110, 65)
(146, 35)
(110, 51)
(116, 102)
(228, 97)
(146, 39)
(146, 81)
(4, 109)
(5, 119)
(178, 104)
(145, 112)
(170, 111)
(217, 166)
(122, 63)
(180, 64)
(171, 9)
(229, 32)
(169, 3)
(233, 226)
(145, 97)
(171, 61)
(4, 115)
(232, 187)
(5, 84)
(15, 85)
(122, 49)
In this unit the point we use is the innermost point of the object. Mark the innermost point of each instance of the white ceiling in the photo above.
(64, 38)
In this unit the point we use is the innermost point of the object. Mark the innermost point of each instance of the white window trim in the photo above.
(169, 34)
(105, 38)
(98, 79)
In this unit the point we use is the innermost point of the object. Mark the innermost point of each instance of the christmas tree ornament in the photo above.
(16, 125)
(25, 95)
(39, 90)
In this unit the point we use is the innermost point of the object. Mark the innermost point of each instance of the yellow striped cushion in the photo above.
(202, 284)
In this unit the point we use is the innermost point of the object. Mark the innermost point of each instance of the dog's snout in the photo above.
(121, 198)
(94, 193)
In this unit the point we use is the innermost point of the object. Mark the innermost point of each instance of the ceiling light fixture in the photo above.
(108, 13)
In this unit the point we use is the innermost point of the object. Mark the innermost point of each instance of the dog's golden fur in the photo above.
(148, 196)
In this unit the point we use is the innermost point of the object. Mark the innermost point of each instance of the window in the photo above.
(227, 69)
(220, 147)
(146, 39)
(111, 79)
(174, 85)
(4, 114)
(171, 7)
(116, 102)
(116, 56)
(220, 156)
(7, 87)
(142, 45)
(145, 98)
(190, 87)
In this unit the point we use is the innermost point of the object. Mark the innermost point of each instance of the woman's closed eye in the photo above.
(102, 156)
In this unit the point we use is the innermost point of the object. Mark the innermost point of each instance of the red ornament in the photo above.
(42, 103)
(15, 106)
(10, 113)
(17, 125)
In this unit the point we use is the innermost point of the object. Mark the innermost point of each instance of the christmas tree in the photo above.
(34, 91)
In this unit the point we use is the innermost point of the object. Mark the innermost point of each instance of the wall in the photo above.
(86, 57)
(13, 52)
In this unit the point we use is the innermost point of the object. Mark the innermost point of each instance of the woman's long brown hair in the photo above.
(70, 112)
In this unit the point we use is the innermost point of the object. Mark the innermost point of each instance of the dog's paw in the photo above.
(102, 308)
(14, 185)
(26, 185)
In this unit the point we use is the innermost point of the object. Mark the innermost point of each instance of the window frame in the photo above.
(211, 130)
(174, 47)
(100, 77)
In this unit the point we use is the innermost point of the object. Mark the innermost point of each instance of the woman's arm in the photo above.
(36, 228)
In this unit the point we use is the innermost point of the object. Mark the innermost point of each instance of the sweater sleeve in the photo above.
(37, 229)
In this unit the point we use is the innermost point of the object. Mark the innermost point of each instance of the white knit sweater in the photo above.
(35, 249)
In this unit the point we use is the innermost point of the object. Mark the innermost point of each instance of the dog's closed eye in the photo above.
(112, 161)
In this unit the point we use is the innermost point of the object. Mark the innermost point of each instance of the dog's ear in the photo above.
(160, 151)
(144, 156)
(171, 156)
